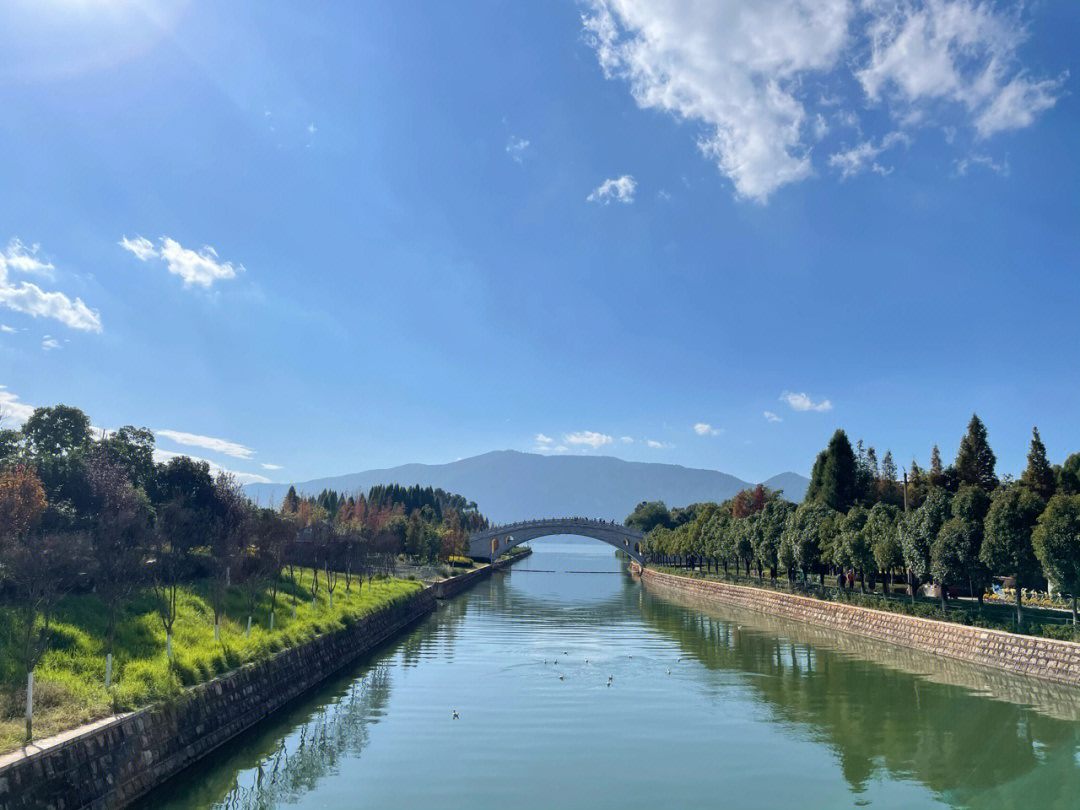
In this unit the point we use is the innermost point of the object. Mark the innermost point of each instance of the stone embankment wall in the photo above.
(114, 762)
(462, 582)
(1024, 655)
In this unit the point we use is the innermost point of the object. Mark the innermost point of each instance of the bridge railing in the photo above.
(577, 521)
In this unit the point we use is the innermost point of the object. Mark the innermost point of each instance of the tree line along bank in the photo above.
(959, 527)
(94, 516)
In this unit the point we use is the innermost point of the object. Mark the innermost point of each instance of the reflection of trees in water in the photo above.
(301, 760)
(956, 743)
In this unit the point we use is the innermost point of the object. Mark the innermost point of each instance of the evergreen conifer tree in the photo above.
(1038, 477)
(975, 460)
(834, 480)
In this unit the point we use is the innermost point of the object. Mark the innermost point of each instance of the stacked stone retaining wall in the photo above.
(1024, 655)
(462, 582)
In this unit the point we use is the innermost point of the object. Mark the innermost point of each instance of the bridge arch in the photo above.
(491, 542)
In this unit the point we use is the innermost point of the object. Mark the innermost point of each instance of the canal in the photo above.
(706, 707)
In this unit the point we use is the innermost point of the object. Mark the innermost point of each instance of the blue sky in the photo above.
(322, 237)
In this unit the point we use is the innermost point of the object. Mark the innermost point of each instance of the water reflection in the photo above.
(707, 701)
(969, 734)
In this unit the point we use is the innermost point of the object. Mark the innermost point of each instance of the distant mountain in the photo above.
(509, 485)
(793, 485)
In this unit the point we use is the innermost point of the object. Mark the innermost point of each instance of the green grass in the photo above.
(69, 681)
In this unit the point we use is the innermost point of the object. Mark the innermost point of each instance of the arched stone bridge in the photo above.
(490, 543)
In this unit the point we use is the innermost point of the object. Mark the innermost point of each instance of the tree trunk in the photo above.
(1019, 609)
(271, 621)
(941, 590)
(1074, 609)
(108, 669)
(30, 705)
(217, 630)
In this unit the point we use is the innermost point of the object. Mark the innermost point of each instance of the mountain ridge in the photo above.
(511, 485)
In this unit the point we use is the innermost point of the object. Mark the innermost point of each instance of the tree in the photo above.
(919, 530)
(39, 569)
(888, 490)
(414, 536)
(950, 554)
(954, 556)
(276, 535)
(22, 501)
(1068, 475)
(647, 515)
(743, 529)
(1056, 540)
(133, 449)
(1039, 476)
(881, 531)
(834, 480)
(11, 441)
(117, 543)
(769, 534)
(853, 548)
(807, 528)
(1007, 547)
(230, 529)
(291, 502)
(974, 459)
(56, 431)
(174, 531)
(937, 471)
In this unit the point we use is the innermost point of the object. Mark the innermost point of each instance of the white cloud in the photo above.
(821, 127)
(163, 456)
(960, 51)
(655, 445)
(516, 148)
(270, 466)
(5, 328)
(194, 267)
(140, 246)
(772, 417)
(11, 408)
(751, 72)
(627, 440)
(732, 67)
(32, 300)
(542, 439)
(208, 443)
(975, 159)
(25, 259)
(615, 188)
(864, 156)
(1018, 103)
(703, 429)
(588, 438)
(48, 343)
(801, 402)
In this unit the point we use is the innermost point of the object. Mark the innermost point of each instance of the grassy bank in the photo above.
(69, 682)
(995, 616)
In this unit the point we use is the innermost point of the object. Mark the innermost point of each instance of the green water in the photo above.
(707, 707)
